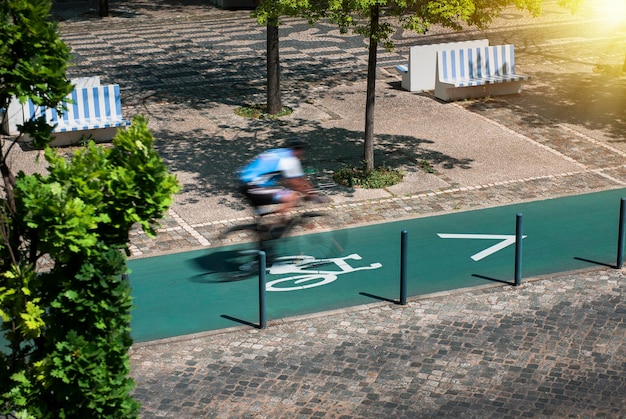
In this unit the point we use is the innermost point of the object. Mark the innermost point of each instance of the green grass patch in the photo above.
(380, 177)
(260, 112)
(426, 166)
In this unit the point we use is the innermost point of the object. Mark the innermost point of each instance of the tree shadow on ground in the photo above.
(82, 10)
(213, 65)
(229, 67)
(205, 75)
(211, 161)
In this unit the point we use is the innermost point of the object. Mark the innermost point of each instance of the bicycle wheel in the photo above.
(242, 262)
(298, 239)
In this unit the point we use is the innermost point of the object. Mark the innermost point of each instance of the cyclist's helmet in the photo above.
(295, 143)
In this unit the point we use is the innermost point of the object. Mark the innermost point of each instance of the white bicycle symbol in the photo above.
(306, 274)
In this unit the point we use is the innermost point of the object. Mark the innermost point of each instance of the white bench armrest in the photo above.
(402, 68)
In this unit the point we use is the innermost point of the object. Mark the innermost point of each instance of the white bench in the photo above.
(419, 73)
(95, 112)
(14, 116)
(477, 72)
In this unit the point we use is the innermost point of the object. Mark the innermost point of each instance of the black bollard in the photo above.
(621, 233)
(403, 266)
(262, 290)
(518, 249)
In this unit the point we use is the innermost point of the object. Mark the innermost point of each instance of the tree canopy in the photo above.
(33, 59)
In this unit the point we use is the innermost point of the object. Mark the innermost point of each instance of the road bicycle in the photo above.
(283, 243)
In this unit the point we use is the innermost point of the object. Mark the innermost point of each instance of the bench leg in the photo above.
(450, 94)
(501, 89)
(100, 135)
(474, 92)
(406, 81)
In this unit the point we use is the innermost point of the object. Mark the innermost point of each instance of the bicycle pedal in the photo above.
(248, 267)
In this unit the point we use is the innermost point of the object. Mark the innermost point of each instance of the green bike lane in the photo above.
(183, 293)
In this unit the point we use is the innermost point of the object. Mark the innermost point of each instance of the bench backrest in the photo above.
(15, 115)
(89, 103)
(89, 81)
(476, 63)
(423, 62)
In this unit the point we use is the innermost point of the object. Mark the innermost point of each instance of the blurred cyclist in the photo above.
(276, 177)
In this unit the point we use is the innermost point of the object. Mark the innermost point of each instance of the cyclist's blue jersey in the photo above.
(271, 166)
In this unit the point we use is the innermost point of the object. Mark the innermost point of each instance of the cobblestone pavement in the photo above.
(554, 347)
(551, 348)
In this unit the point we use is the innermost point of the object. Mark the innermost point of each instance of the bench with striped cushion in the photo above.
(91, 108)
(419, 73)
(95, 112)
(17, 113)
(477, 72)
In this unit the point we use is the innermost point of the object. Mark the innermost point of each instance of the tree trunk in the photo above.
(371, 91)
(104, 8)
(9, 184)
(274, 106)
(10, 234)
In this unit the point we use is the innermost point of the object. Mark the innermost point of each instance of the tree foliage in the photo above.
(33, 59)
(64, 303)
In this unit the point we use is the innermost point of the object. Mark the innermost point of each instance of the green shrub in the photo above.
(68, 328)
(65, 305)
(380, 177)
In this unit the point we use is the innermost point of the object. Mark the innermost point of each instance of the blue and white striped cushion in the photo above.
(478, 66)
(91, 108)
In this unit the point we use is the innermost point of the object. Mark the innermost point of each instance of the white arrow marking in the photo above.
(507, 240)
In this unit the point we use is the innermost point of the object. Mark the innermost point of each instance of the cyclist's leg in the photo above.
(287, 200)
(260, 197)
(266, 202)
